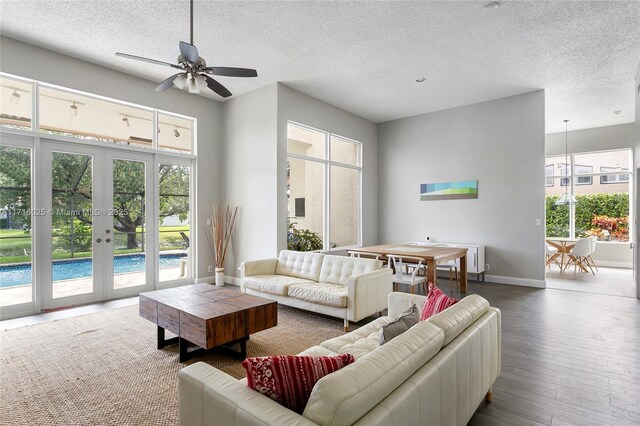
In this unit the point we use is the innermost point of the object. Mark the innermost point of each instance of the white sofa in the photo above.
(342, 287)
(436, 373)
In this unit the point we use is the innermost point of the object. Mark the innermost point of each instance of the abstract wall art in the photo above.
(449, 190)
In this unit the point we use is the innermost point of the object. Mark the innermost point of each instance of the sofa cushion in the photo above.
(273, 284)
(359, 342)
(457, 318)
(318, 351)
(320, 293)
(436, 302)
(404, 322)
(299, 264)
(289, 379)
(338, 269)
(341, 398)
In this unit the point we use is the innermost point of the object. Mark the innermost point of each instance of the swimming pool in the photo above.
(15, 275)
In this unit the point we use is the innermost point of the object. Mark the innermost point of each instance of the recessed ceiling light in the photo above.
(491, 5)
(420, 79)
(616, 112)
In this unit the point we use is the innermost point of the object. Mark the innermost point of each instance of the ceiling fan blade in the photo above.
(217, 87)
(189, 52)
(231, 72)
(152, 61)
(166, 84)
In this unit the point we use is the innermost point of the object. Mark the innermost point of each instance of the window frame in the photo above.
(617, 172)
(327, 163)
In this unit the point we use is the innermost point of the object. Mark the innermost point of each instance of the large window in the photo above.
(66, 112)
(323, 190)
(600, 183)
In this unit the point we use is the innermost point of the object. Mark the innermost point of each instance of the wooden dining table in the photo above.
(431, 255)
(564, 246)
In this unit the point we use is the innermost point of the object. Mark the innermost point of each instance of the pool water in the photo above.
(15, 275)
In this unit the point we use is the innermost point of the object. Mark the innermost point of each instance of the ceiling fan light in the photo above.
(193, 87)
(180, 81)
(201, 82)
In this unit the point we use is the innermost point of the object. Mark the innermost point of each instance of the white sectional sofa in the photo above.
(436, 373)
(343, 287)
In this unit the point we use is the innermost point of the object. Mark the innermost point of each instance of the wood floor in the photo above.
(567, 357)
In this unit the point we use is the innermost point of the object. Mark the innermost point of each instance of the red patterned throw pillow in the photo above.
(436, 302)
(289, 380)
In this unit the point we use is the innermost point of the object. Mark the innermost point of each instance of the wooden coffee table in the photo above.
(207, 316)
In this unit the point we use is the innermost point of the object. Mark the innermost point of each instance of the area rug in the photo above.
(104, 368)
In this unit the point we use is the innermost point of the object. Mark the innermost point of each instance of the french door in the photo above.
(98, 230)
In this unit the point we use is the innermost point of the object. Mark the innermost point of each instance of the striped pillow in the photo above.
(289, 380)
(436, 302)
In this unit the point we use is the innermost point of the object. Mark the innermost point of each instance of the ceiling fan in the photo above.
(194, 73)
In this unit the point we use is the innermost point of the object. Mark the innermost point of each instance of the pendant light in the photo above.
(567, 198)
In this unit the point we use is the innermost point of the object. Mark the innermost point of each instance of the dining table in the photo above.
(564, 246)
(431, 255)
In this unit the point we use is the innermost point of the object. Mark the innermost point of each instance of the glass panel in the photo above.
(305, 142)
(174, 133)
(344, 151)
(71, 222)
(70, 114)
(345, 215)
(610, 161)
(15, 103)
(305, 183)
(557, 165)
(557, 216)
(129, 262)
(548, 171)
(583, 169)
(174, 222)
(15, 226)
(603, 211)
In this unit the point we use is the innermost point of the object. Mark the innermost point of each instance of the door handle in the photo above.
(98, 240)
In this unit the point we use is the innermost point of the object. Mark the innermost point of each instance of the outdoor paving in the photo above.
(22, 294)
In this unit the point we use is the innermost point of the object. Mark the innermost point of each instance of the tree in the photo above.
(15, 181)
(72, 190)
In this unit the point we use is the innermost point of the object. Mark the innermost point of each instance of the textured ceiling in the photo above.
(364, 57)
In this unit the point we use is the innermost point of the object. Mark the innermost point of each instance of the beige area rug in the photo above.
(104, 368)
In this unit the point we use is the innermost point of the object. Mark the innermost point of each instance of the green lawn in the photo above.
(12, 249)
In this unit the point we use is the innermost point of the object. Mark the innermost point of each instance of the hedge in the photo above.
(612, 205)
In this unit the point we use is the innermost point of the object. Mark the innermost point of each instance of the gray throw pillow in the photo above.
(405, 321)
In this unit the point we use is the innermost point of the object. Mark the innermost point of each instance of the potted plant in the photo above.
(223, 220)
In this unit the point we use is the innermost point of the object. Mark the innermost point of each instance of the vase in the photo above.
(219, 277)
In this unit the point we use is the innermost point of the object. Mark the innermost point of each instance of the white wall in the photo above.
(637, 186)
(250, 174)
(501, 144)
(620, 136)
(44, 65)
(301, 108)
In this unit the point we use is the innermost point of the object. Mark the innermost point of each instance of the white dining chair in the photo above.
(365, 255)
(552, 255)
(579, 255)
(399, 265)
(593, 248)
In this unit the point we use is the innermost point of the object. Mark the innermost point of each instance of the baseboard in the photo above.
(233, 280)
(614, 264)
(210, 279)
(524, 282)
